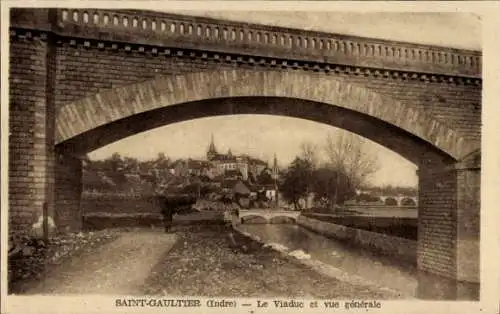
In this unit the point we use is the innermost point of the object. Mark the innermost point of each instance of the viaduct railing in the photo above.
(187, 32)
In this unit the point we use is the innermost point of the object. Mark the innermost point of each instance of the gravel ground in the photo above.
(34, 261)
(118, 267)
(205, 262)
(192, 260)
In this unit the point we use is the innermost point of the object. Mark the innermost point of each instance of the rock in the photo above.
(276, 246)
(299, 254)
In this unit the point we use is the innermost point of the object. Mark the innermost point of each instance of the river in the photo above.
(383, 271)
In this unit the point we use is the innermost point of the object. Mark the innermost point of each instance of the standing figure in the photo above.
(168, 213)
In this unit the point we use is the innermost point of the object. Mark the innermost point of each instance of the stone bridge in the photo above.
(400, 199)
(268, 215)
(83, 78)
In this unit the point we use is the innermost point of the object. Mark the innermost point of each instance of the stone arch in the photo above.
(391, 201)
(212, 92)
(408, 201)
(282, 218)
(259, 218)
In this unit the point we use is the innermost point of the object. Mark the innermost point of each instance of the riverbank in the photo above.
(401, 227)
(205, 261)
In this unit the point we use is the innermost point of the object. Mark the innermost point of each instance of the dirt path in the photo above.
(204, 262)
(119, 267)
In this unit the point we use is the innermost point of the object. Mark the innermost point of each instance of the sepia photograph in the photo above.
(181, 159)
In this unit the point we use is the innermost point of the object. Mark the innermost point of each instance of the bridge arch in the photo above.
(409, 201)
(268, 216)
(259, 218)
(282, 219)
(437, 149)
(391, 201)
(101, 119)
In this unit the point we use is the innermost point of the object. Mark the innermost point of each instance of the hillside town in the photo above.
(242, 180)
(219, 176)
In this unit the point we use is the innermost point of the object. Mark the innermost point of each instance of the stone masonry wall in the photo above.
(85, 71)
(29, 154)
(400, 248)
(437, 219)
(449, 224)
(68, 190)
(468, 222)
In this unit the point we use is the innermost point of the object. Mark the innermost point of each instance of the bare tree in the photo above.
(347, 152)
(309, 152)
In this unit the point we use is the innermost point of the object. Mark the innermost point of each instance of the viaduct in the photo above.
(83, 78)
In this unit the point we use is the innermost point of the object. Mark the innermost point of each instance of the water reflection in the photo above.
(348, 259)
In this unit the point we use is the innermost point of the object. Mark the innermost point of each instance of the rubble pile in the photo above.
(31, 257)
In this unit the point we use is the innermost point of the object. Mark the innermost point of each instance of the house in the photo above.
(179, 168)
(246, 165)
(268, 190)
(234, 174)
(236, 187)
(240, 188)
(198, 167)
(228, 185)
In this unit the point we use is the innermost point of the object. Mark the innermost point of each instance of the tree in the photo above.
(308, 152)
(114, 168)
(265, 177)
(116, 162)
(91, 180)
(347, 153)
(161, 161)
(192, 189)
(331, 186)
(296, 181)
(367, 198)
(131, 165)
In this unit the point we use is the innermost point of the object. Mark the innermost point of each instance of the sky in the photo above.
(456, 30)
(263, 136)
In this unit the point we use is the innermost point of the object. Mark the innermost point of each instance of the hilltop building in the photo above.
(229, 163)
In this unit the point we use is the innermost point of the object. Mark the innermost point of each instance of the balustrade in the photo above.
(285, 40)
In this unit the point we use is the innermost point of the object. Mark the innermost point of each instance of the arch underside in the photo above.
(397, 140)
(109, 116)
(282, 218)
(253, 217)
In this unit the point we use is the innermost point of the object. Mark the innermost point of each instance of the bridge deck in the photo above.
(268, 214)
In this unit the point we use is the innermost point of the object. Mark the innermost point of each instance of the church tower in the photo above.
(275, 170)
(212, 151)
